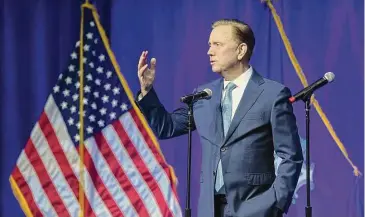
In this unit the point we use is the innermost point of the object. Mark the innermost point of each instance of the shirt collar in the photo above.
(242, 80)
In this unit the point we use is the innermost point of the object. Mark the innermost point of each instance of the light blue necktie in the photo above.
(226, 114)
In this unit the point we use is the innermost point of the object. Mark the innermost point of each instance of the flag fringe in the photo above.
(20, 197)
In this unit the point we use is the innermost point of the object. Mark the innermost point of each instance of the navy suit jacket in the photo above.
(263, 123)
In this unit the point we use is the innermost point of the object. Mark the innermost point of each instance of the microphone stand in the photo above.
(190, 124)
(189, 101)
(307, 99)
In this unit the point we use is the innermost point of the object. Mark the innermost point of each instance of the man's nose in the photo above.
(210, 52)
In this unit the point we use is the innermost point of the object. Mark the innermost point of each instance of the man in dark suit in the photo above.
(247, 118)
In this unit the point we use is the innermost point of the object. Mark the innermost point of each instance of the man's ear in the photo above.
(242, 50)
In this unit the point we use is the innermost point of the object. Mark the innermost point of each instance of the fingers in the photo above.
(142, 64)
(142, 70)
(142, 59)
(153, 64)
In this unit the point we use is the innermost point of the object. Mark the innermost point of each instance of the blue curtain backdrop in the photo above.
(36, 38)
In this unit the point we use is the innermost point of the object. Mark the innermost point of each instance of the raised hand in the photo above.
(146, 75)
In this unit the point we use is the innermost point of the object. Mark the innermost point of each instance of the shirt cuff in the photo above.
(139, 98)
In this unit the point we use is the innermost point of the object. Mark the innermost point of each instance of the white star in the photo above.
(70, 121)
(124, 107)
(78, 125)
(92, 23)
(96, 41)
(71, 68)
(77, 85)
(85, 101)
(93, 105)
(77, 44)
(109, 74)
(64, 105)
(102, 111)
(77, 137)
(66, 93)
(68, 80)
(114, 103)
(107, 86)
(101, 123)
(56, 89)
(75, 97)
(92, 118)
(89, 77)
(89, 129)
(97, 82)
(96, 94)
(87, 89)
(84, 60)
(73, 109)
(112, 115)
(89, 35)
(74, 55)
(101, 58)
(91, 64)
(94, 53)
(116, 90)
(100, 69)
(86, 47)
(105, 99)
(60, 76)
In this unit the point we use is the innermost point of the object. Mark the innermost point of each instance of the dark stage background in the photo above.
(37, 37)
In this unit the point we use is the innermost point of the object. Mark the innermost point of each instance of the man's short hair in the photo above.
(242, 31)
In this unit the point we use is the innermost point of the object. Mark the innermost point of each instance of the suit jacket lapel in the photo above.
(252, 92)
(217, 131)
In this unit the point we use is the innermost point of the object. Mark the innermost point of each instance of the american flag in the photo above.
(124, 171)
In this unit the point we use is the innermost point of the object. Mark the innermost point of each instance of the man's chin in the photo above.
(216, 70)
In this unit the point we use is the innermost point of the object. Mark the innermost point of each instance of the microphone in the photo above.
(327, 78)
(204, 94)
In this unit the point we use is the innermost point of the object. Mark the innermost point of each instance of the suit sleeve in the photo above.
(164, 124)
(287, 147)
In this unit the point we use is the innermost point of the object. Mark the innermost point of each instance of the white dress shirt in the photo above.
(237, 93)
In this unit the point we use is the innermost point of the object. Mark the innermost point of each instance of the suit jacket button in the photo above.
(223, 149)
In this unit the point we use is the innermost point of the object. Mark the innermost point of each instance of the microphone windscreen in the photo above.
(208, 91)
(329, 76)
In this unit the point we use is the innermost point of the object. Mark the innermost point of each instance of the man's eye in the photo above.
(215, 44)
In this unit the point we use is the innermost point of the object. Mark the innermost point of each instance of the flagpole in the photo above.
(81, 117)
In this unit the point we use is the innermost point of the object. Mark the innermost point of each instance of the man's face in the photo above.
(223, 52)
